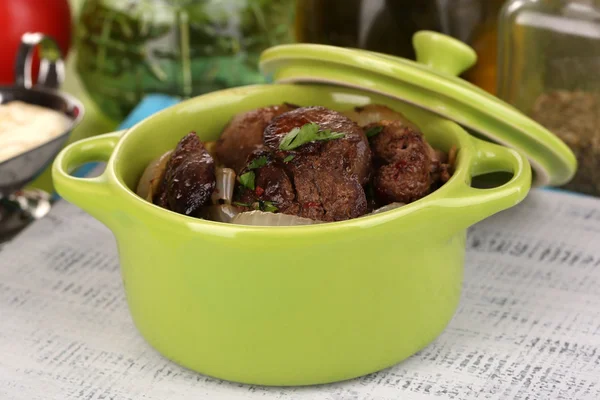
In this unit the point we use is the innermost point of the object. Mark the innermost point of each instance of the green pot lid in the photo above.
(431, 83)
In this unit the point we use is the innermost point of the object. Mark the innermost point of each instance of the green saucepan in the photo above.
(288, 305)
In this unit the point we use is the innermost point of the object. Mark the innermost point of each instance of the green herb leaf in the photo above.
(268, 206)
(258, 162)
(307, 133)
(288, 158)
(237, 203)
(247, 179)
(373, 131)
(291, 136)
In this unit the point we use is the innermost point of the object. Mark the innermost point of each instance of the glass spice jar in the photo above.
(549, 68)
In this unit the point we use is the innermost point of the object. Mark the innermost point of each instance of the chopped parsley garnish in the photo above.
(268, 206)
(310, 132)
(288, 158)
(258, 162)
(247, 180)
(237, 203)
(374, 131)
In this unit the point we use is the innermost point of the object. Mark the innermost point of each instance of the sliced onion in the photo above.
(223, 193)
(153, 176)
(374, 113)
(210, 148)
(385, 208)
(261, 218)
(223, 213)
(452, 156)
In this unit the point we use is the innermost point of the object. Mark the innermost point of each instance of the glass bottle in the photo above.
(484, 40)
(128, 48)
(549, 68)
(385, 26)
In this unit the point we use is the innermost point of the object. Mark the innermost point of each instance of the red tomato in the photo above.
(51, 17)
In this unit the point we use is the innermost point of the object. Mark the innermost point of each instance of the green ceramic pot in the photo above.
(288, 305)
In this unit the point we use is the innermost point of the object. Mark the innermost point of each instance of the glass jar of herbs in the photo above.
(549, 68)
(128, 48)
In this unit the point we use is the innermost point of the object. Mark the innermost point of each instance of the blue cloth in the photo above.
(149, 105)
(565, 191)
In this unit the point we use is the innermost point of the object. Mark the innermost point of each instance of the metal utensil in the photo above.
(20, 170)
(19, 207)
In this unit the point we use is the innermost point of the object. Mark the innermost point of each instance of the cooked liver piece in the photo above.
(272, 183)
(244, 134)
(353, 149)
(323, 180)
(404, 163)
(189, 178)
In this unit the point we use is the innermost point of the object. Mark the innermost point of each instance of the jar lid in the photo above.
(431, 83)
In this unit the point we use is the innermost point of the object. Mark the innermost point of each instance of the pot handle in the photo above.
(474, 204)
(443, 53)
(91, 194)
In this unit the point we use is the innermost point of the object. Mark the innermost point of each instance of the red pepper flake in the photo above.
(259, 191)
(400, 167)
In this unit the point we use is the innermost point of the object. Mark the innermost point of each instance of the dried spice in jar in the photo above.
(574, 116)
(548, 62)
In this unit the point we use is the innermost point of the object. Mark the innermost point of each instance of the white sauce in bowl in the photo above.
(24, 127)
